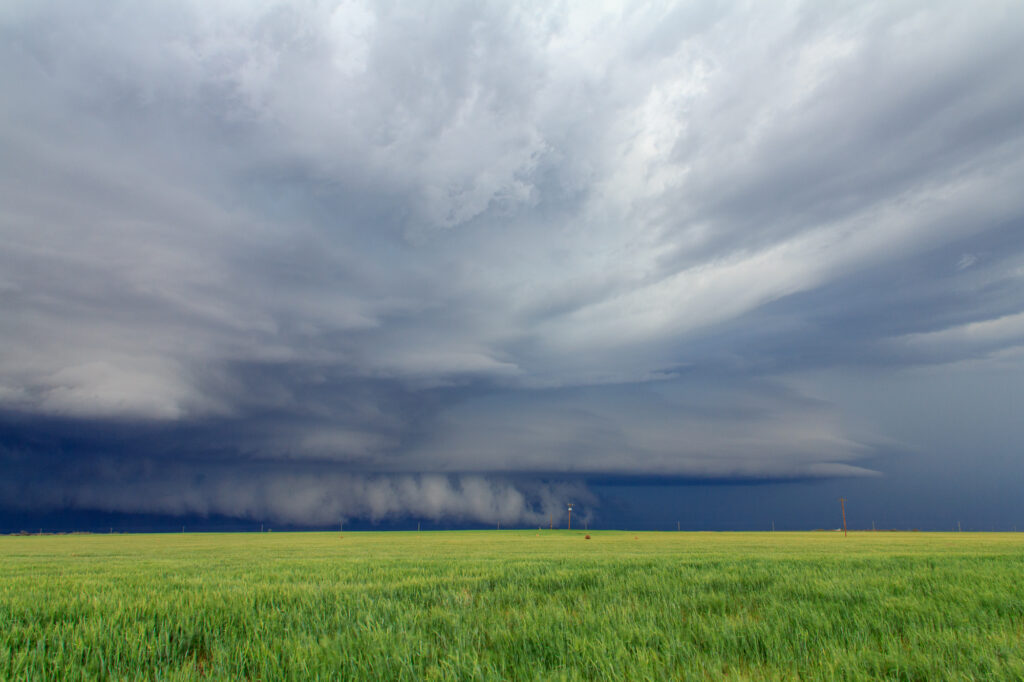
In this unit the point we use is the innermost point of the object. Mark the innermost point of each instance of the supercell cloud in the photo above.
(305, 261)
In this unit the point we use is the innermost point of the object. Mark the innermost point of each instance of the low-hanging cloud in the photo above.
(297, 495)
(442, 254)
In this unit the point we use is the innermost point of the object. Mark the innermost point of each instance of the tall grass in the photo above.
(513, 605)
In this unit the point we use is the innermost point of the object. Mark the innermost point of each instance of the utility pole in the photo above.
(842, 504)
(570, 516)
(958, 529)
(551, 522)
(773, 526)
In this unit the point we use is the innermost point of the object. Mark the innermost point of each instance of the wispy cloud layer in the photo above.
(491, 239)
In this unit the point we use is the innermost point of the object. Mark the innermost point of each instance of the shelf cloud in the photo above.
(343, 259)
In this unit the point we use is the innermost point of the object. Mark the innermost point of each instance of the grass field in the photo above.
(513, 605)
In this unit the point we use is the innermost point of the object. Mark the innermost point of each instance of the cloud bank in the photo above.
(454, 255)
(299, 496)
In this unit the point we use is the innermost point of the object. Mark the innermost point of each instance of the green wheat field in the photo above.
(513, 605)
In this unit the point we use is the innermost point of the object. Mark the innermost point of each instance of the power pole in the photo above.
(842, 504)
(678, 528)
(570, 516)
(773, 526)
(551, 522)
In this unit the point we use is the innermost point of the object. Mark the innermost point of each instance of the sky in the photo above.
(713, 264)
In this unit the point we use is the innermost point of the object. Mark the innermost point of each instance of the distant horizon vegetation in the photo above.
(130, 524)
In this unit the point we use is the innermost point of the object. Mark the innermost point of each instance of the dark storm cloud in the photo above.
(269, 260)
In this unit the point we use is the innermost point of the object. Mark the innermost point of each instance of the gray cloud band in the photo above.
(284, 496)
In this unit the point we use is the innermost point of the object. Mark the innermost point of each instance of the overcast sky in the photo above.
(311, 261)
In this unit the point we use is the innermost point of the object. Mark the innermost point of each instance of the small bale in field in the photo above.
(586, 537)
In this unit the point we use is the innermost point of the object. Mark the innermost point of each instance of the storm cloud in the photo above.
(334, 259)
